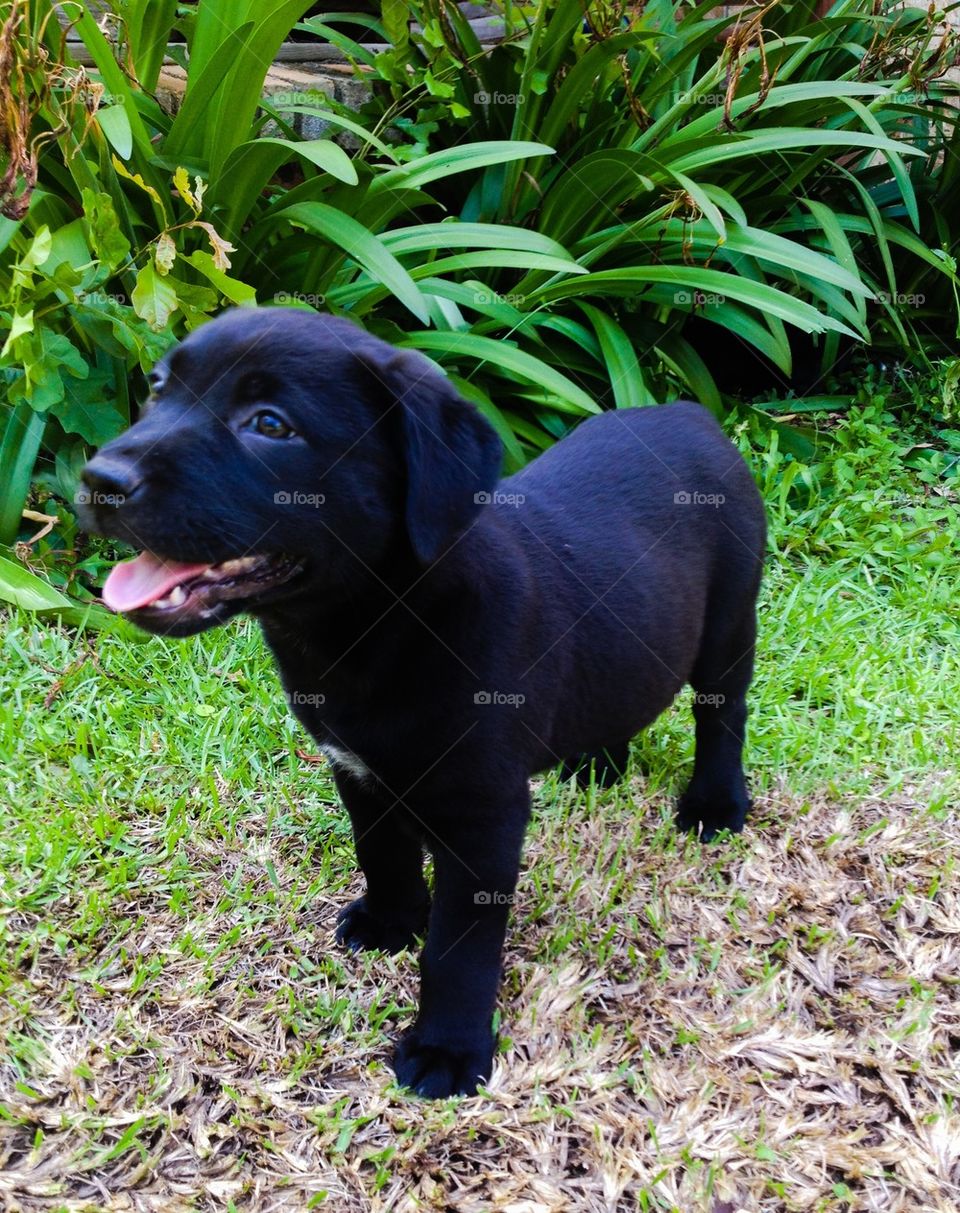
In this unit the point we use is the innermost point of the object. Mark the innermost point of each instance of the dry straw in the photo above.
(775, 1032)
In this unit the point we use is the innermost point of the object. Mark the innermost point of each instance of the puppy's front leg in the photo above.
(449, 1050)
(394, 909)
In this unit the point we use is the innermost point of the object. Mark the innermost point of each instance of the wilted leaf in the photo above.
(136, 179)
(181, 183)
(220, 246)
(165, 253)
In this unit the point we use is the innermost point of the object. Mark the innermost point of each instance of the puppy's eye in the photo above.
(270, 425)
(156, 379)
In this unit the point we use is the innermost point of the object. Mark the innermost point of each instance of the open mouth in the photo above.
(157, 587)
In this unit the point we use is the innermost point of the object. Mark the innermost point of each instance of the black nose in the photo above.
(110, 480)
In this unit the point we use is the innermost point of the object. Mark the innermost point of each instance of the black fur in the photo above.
(448, 635)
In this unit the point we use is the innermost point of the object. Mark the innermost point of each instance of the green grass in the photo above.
(163, 836)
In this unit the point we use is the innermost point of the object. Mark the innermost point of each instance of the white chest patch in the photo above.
(341, 758)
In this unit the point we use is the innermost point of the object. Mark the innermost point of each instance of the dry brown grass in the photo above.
(768, 1025)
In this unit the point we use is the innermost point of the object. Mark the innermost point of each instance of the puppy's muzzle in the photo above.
(111, 480)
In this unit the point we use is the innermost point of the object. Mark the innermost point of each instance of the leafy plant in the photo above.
(878, 499)
(107, 250)
(544, 219)
(764, 171)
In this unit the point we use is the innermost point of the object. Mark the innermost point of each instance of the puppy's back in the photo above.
(643, 460)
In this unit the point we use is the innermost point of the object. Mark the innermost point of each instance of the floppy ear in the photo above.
(450, 453)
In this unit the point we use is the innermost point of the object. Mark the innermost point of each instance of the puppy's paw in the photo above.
(707, 816)
(362, 929)
(436, 1071)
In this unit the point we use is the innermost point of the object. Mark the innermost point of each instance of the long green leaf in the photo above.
(486, 259)
(461, 159)
(328, 116)
(894, 159)
(471, 235)
(504, 357)
(18, 453)
(579, 81)
(478, 297)
(771, 249)
(747, 328)
(367, 250)
(149, 26)
(25, 589)
(477, 396)
(186, 135)
(778, 96)
(230, 119)
(626, 377)
(692, 278)
(687, 365)
(589, 193)
(249, 168)
(894, 233)
(781, 139)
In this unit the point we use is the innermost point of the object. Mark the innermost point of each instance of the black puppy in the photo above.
(441, 634)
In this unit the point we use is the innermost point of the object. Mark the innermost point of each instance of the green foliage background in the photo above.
(543, 219)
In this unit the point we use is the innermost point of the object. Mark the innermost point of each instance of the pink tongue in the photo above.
(135, 583)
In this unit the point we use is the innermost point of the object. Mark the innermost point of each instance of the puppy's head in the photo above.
(282, 452)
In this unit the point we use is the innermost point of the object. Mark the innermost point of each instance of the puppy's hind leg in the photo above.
(717, 797)
(608, 765)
